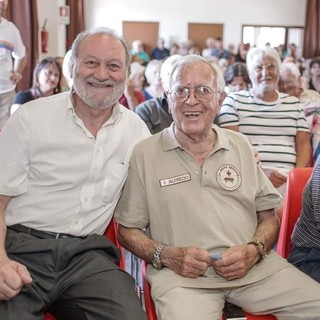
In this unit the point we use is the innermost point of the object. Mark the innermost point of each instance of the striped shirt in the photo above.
(306, 234)
(270, 126)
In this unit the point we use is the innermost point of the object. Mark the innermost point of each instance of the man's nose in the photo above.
(192, 98)
(102, 72)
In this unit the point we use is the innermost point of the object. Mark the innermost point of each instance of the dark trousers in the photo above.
(307, 260)
(75, 278)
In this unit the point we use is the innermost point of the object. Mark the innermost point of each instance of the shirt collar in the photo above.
(170, 142)
(117, 111)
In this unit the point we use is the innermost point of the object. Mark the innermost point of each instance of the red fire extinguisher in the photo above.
(44, 38)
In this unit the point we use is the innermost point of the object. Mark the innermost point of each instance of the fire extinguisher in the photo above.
(44, 38)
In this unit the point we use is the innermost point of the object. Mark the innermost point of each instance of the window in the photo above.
(273, 35)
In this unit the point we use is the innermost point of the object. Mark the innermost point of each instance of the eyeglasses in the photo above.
(202, 93)
(269, 67)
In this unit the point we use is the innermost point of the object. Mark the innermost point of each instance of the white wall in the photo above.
(49, 9)
(174, 15)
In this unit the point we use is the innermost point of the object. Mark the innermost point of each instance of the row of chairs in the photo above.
(297, 179)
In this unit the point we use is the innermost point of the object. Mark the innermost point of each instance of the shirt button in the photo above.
(197, 172)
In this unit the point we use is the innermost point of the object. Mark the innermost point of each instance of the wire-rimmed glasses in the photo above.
(202, 93)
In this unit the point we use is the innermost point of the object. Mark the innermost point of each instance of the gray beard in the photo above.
(102, 104)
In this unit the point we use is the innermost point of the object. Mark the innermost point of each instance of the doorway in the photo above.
(199, 32)
(147, 32)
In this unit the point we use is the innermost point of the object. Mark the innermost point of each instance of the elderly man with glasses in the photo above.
(209, 212)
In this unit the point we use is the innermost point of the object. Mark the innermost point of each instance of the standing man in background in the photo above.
(12, 62)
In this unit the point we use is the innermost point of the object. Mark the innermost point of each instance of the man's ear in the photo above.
(221, 98)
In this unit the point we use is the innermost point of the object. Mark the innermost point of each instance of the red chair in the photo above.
(150, 309)
(296, 181)
(111, 233)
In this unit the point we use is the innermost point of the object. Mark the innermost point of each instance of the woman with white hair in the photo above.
(133, 95)
(154, 88)
(290, 83)
(274, 122)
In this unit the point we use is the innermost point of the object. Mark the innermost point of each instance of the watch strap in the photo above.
(157, 253)
(261, 248)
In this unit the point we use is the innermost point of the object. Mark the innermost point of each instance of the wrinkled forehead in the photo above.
(286, 74)
(189, 72)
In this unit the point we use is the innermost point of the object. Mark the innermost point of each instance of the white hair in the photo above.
(66, 68)
(292, 68)
(193, 58)
(257, 54)
(166, 70)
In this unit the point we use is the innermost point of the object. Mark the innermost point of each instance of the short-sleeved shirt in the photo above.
(270, 126)
(213, 206)
(23, 97)
(61, 177)
(11, 45)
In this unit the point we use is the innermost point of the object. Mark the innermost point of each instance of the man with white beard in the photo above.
(65, 162)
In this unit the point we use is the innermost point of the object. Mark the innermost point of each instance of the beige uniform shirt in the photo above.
(183, 204)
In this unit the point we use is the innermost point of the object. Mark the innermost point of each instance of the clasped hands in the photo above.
(192, 262)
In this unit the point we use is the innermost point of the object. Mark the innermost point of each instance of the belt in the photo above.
(39, 233)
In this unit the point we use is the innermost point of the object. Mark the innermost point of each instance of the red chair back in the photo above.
(296, 182)
(150, 309)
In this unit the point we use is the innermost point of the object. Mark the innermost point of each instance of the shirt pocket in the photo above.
(116, 176)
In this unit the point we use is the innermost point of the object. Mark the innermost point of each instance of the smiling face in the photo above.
(48, 78)
(99, 73)
(264, 76)
(238, 83)
(193, 118)
(289, 83)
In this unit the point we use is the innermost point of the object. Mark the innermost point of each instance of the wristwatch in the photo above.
(261, 248)
(156, 262)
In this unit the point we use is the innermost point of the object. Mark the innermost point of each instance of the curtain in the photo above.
(24, 14)
(76, 20)
(311, 41)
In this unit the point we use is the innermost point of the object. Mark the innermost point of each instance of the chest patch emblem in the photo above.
(229, 177)
(174, 180)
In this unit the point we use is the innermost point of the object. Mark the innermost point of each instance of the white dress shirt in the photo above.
(61, 177)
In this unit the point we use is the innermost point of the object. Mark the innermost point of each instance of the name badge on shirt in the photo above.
(175, 180)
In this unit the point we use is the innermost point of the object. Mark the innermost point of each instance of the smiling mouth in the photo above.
(192, 114)
(101, 85)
